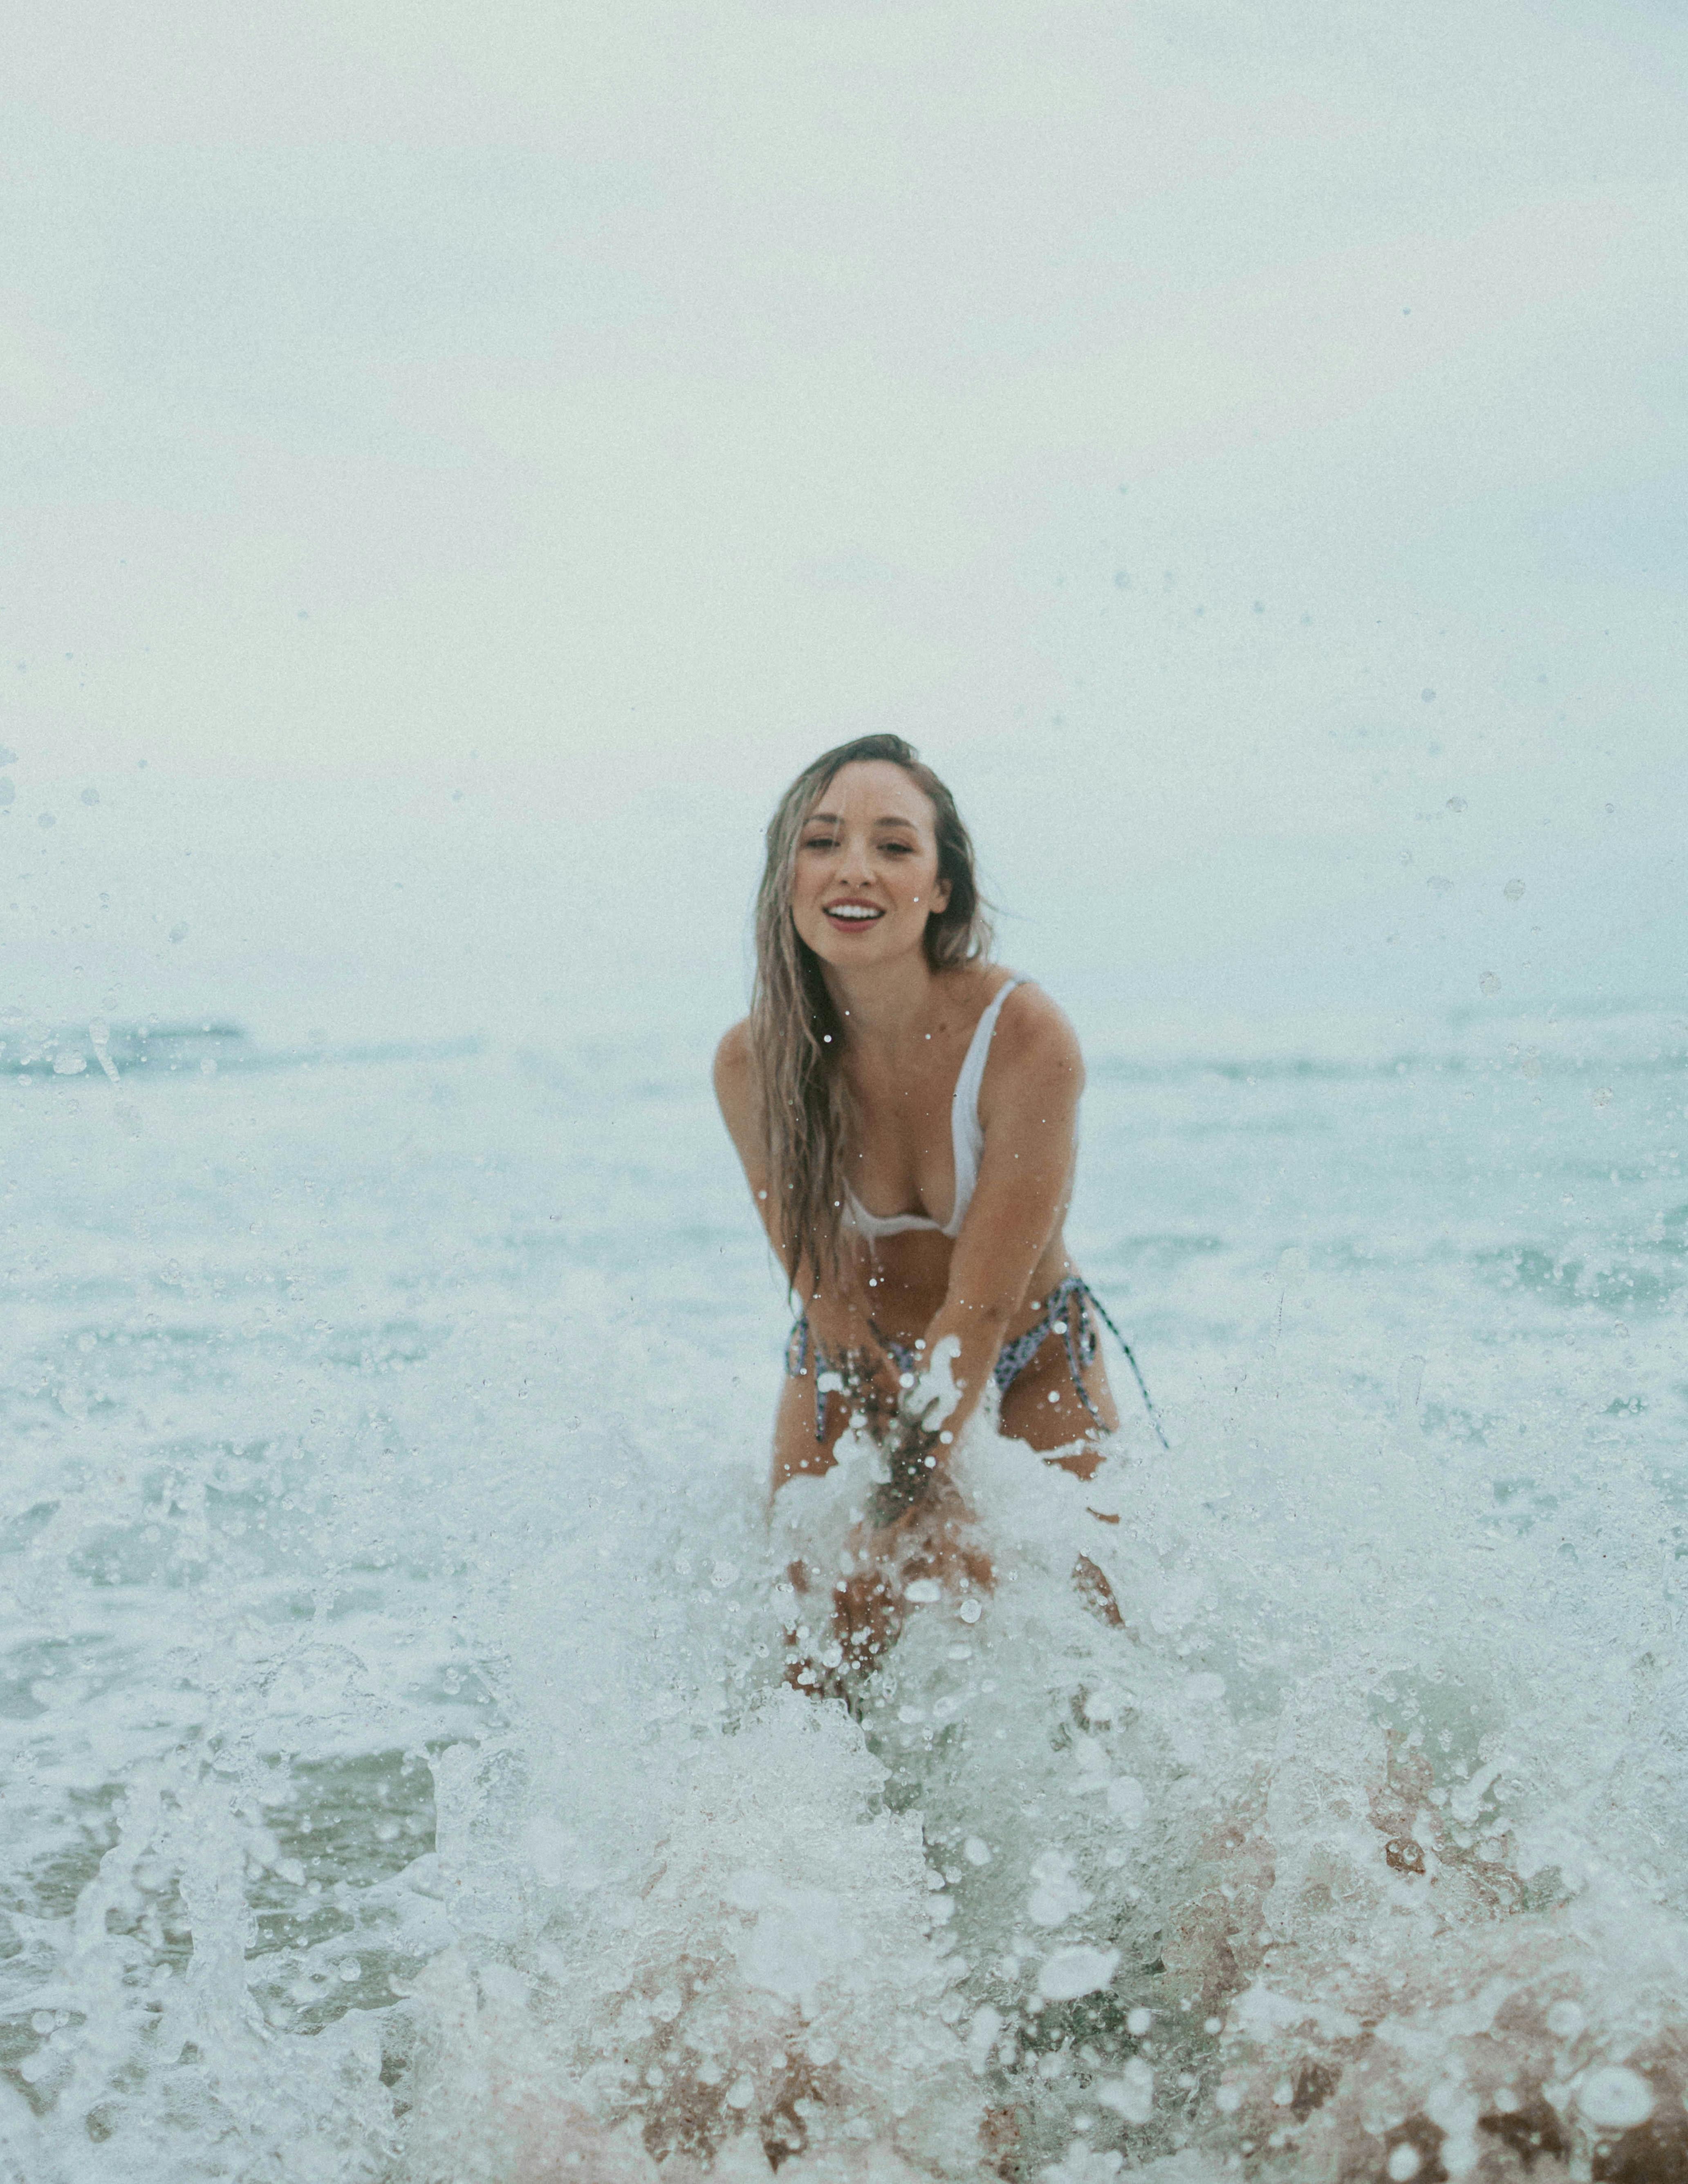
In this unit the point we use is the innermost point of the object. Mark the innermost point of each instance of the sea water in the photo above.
(401, 1777)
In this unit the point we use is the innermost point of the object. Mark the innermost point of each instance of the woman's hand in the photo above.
(916, 1539)
(913, 1452)
(918, 1531)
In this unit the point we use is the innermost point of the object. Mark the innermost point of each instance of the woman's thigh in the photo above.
(1042, 1406)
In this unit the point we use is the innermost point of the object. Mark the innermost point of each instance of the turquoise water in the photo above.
(399, 1778)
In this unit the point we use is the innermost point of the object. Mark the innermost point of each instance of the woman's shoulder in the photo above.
(1026, 1009)
(1033, 1034)
(734, 1077)
(733, 1068)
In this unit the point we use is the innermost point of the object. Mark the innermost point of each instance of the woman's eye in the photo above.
(898, 849)
(820, 842)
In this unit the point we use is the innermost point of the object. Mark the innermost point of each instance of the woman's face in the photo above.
(866, 879)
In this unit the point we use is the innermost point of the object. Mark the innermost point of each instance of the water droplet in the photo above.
(1074, 1972)
(1614, 2097)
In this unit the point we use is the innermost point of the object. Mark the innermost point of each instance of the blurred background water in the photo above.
(385, 1566)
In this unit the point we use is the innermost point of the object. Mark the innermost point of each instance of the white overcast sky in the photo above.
(459, 459)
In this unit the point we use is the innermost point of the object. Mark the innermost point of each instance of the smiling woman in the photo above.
(888, 1063)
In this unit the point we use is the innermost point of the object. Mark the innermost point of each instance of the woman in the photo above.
(905, 1112)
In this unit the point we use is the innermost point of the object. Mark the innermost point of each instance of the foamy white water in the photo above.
(400, 1782)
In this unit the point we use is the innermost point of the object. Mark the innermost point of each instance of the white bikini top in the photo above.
(966, 1137)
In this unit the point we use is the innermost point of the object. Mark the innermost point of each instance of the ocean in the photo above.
(400, 1780)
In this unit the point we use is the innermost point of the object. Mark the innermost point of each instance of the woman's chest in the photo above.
(903, 1139)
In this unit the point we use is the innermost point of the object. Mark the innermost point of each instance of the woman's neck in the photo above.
(883, 1006)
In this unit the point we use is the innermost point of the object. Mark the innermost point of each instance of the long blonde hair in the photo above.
(796, 1035)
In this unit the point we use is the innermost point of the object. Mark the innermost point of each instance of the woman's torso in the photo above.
(908, 1121)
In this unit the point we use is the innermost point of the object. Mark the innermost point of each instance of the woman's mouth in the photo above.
(851, 916)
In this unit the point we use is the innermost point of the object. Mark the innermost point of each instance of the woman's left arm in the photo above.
(1028, 1109)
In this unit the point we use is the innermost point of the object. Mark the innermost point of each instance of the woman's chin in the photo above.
(849, 951)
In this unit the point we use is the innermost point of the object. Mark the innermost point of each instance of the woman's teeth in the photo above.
(858, 913)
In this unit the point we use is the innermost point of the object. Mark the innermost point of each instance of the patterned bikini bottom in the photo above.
(1065, 1314)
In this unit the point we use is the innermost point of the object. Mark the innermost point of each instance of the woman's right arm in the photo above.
(832, 1319)
(735, 1092)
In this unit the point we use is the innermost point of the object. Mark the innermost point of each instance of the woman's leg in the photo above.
(860, 1610)
(1042, 1406)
